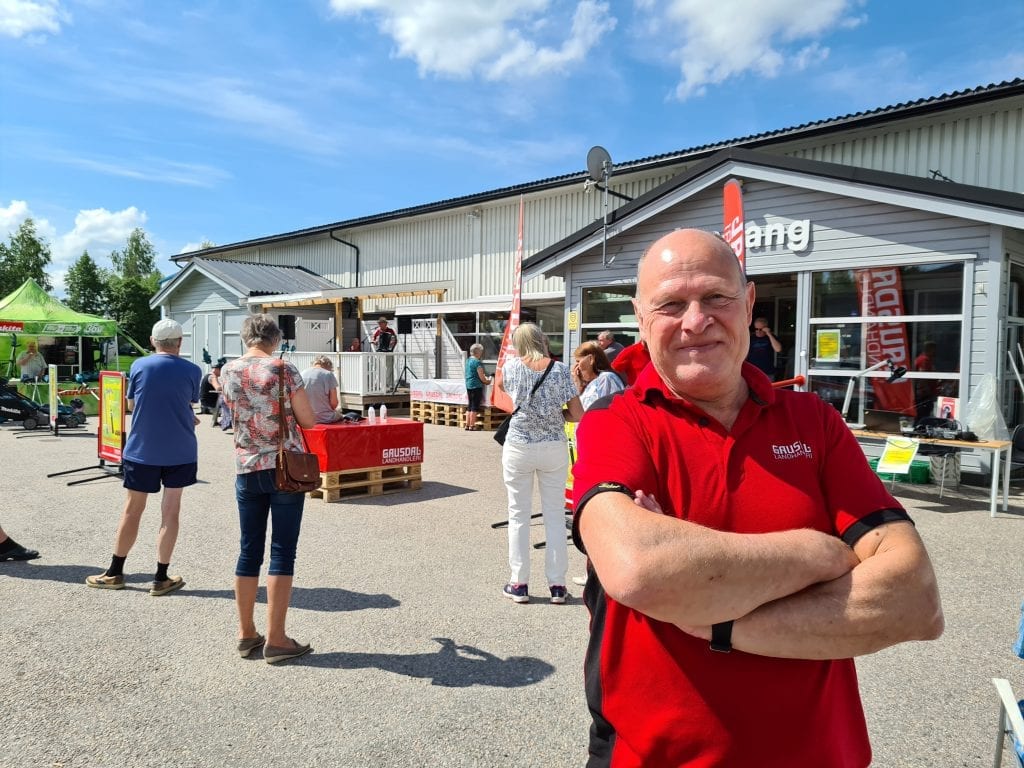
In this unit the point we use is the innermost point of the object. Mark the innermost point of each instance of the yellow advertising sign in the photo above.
(52, 371)
(111, 432)
(573, 321)
(897, 455)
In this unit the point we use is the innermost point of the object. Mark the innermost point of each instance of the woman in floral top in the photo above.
(251, 386)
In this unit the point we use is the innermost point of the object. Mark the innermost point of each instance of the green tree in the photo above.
(133, 281)
(86, 286)
(25, 255)
(138, 259)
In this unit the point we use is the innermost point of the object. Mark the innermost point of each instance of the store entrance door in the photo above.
(776, 302)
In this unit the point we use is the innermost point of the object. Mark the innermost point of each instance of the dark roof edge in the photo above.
(912, 184)
(943, 102)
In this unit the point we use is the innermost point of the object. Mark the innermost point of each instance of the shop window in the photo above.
(609, 308)
(609, 305)
(933, 289)
(909, 315)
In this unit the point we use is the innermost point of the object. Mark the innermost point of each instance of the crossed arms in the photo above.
(792, 594)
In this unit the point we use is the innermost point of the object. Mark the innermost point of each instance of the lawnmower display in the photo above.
(15, 406)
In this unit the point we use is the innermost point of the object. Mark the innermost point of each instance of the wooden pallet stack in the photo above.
(421, 410)
(449, 415)
(489, 418)
(370, 481)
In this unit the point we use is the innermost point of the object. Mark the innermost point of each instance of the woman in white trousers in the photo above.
(535, 449)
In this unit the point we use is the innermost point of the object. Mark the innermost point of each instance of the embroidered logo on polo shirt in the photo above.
(796, 450)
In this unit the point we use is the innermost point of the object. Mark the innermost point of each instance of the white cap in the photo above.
(166, 329)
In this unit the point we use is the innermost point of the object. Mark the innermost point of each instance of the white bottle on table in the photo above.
(383, 412)
(371, 415)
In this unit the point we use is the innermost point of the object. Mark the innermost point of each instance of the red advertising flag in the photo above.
(880, 292)
(733, 225)
(498, 397)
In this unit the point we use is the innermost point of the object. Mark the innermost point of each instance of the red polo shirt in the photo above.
(660, 697)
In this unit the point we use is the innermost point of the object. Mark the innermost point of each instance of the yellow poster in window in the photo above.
(827, 348)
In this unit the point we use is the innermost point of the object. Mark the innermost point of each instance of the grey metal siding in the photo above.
(981, 145)
(200, 294)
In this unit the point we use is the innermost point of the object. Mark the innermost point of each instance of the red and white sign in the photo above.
(498, 397)
(11, 326)
(880, 292)
(449, 391)
(733, 226)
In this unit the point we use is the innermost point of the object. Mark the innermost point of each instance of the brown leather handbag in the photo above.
(295, 472)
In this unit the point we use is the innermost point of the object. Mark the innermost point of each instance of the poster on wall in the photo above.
(110, 437)
(827, 346)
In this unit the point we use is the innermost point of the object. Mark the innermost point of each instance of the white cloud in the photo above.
(19, 18)
(721, 39)
(496, 40)
(97, 230)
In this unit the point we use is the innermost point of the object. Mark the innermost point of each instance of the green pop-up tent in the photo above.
(29, 310)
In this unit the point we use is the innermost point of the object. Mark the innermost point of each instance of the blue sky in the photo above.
(224, 121)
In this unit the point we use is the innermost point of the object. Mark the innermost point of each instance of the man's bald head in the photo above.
(693, 305)
(681, 243)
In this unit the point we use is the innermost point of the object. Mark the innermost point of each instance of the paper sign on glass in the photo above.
(827, 350)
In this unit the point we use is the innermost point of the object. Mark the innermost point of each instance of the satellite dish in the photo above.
(599, 163)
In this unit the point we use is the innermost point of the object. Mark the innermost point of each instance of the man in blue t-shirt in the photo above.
(161, 450)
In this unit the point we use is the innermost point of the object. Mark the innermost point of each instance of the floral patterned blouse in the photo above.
(539, 419)
(251, 386)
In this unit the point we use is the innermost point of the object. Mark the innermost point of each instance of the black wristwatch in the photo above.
(721, 637)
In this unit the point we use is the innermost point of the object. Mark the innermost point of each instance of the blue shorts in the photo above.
(147, 478)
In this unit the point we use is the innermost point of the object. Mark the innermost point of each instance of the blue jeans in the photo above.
(257, 498)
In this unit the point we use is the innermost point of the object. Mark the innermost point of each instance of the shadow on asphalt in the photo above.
(332, 599)
(426, 492)
(452, 666)
(308, 598)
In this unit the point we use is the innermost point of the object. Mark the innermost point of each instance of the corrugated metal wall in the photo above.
(982, 146)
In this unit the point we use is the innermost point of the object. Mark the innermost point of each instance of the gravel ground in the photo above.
(418, 661)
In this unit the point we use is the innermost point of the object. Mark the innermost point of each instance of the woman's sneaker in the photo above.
(558, 594)
(517, 593)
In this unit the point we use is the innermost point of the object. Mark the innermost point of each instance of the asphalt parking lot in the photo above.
(418, 659)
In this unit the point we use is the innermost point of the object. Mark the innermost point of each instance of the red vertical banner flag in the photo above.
(498, 397)
(733, 225)
(880, 294)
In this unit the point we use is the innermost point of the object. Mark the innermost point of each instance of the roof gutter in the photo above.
(330, 232)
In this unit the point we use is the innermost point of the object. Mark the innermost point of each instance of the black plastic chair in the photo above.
(926, 427)
(1016, 457)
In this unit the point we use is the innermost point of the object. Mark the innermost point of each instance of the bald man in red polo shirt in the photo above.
(740, 550)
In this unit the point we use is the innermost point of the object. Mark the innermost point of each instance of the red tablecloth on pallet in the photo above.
(356, 446)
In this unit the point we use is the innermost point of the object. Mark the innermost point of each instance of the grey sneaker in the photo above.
(167, 585)
(105, 582)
